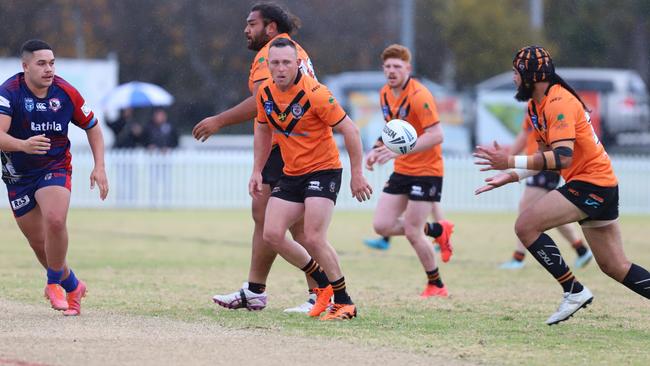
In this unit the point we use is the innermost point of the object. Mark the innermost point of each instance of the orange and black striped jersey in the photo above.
(560, 116)
(260, 68)
(302, 118)
(416, 105)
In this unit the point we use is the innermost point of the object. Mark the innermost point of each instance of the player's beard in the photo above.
(258, 41)
(524, 92)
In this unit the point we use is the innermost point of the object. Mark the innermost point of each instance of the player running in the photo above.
(536, 187)
(416, 184)
(265, 23)
(568, 144)
(35, 109)
(302, 113)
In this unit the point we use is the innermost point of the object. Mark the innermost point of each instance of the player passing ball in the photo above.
(567, 144)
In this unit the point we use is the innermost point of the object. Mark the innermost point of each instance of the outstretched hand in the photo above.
(496, 181)
(493, 158)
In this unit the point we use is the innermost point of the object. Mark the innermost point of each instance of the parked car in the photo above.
(618, 99)
(358, 93)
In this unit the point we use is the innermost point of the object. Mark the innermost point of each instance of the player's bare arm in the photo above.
(558, 157)
(431, 137)
(262, 142)
(361, 190)
(242, 112)
(36, 145)
(98, 175)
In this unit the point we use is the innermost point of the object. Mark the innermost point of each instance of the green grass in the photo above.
(169, 264)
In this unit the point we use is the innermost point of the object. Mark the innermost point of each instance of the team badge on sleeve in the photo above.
(29, 104)
(268, 107)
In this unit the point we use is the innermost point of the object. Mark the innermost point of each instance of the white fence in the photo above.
(219, 179)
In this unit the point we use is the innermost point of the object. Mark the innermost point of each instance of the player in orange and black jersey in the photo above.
(302, 114)
(416, 184)
(536, 187)
(265, 22)
(568, 144)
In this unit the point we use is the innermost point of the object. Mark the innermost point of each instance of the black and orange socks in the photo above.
(340, 294)
(548, 255)
(434, 278)
(432, 229)
(313, 270)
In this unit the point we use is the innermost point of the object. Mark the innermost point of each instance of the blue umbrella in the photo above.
(137, 94)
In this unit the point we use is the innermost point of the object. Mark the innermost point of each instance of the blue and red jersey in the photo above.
(49, 116)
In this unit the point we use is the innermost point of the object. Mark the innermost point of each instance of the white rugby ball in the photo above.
(399, 136)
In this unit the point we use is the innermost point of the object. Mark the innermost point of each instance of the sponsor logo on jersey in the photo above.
(41, 107)
(417, 191)
(47, 126)
(4, 102)
(19, 203)
(314, 185)
(29, 104)
(55, 104)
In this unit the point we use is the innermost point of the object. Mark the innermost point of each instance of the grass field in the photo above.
(170, 263)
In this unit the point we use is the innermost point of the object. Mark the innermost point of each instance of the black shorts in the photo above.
(426, 188)
(273, 168)
(545, 179)
(599, 203)
(323, 183)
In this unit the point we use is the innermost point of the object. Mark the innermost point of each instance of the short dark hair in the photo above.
(283, 42)
(272, 12)
(34, 45)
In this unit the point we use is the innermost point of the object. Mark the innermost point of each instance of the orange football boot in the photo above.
(433, 290)
(74, 300)
(54, 293)
(444, 240)
(323, 300)
(341, 312)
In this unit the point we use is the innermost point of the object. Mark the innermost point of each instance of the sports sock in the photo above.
(638, 280)
(386, 239)
(580, 247)
(54, 276)
(313, 270)
(548, 255)
(70, 283)
(518, 256)
(340, 294)
(434, 278)
(432, 229)
(257, 288)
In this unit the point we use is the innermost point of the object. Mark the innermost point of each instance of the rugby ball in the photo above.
(399, 136)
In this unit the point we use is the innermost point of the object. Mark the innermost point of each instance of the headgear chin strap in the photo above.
(534, 64)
